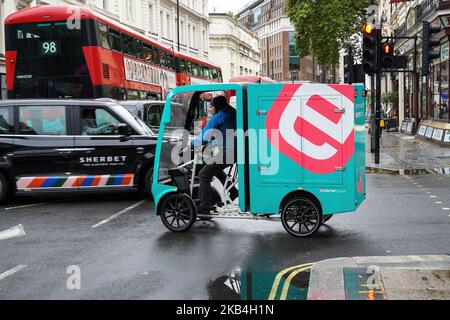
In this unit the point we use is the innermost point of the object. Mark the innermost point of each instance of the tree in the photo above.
(324, 27)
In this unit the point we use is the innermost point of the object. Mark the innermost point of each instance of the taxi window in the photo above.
(5, 121)
(154, 116)
(43, 120)
(98, 122)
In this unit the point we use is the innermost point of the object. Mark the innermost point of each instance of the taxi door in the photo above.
(42, 156)
(105, 158)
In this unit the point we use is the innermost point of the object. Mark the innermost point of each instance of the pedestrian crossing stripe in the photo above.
(75, 182)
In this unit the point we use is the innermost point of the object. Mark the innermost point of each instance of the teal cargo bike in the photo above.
(300, 155)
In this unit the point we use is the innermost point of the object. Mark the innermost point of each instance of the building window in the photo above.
(168, 26)
(189, 35)
(443, 113)
(294, 58)
(194, 42)
(131, 9)
(4, 91)
(151, 18)
(439, 108)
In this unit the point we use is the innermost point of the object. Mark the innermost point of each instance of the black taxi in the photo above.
(76, 145)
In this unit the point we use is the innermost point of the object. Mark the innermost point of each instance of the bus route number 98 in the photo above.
(48, 48)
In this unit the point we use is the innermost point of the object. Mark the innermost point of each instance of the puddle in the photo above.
(240, 286)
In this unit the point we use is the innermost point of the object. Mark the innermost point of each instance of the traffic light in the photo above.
(348, 69)
(370, 38)
(387, 55)
(428, 44)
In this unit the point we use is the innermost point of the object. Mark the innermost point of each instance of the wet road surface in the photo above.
(123, 251)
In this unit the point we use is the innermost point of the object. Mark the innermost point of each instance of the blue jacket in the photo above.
(223, 120)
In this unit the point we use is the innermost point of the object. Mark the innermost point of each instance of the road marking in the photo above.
(280, 275)
(17, 231)
(438, 202)
(14, 270)
(437, 258)
(26, 206)
(446, 209)
(433, 197)
(416, 258)
(118, 214)
(288, 281)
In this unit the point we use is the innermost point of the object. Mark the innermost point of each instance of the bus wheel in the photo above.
(327, 218)
(5, 189)
(301, 217)
(178, 213)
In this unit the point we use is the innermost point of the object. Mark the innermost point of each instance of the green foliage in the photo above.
(324, 27)
(389, 97)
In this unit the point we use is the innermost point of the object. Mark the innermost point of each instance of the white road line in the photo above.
(17, 231)
(433, 197)
(8, 273)
(446, 209)
(26, 206)
(118, 214)
(438, 202)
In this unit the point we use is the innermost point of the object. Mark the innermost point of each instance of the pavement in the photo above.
(404, 154)
(381, 278)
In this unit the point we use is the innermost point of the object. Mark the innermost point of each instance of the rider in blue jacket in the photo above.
(223, 120)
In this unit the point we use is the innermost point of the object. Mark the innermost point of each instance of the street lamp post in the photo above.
(178, 24)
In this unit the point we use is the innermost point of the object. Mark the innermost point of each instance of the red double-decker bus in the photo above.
(73, 52)
(191, 70)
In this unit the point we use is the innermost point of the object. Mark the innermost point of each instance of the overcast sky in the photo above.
(223, 6)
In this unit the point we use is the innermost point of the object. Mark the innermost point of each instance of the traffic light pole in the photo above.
(416, 84)
(372, 114)
(378, 98)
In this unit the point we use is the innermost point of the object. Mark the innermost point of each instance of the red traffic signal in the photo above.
(370, 39)
(368, 29)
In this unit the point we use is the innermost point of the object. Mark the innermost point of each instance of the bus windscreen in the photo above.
(50, 60)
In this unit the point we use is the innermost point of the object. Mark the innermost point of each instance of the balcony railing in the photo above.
(427, 7)
(444, 4)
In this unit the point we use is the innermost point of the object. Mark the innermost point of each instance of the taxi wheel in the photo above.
(301, 217)
(5, 189)
(178, 213)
